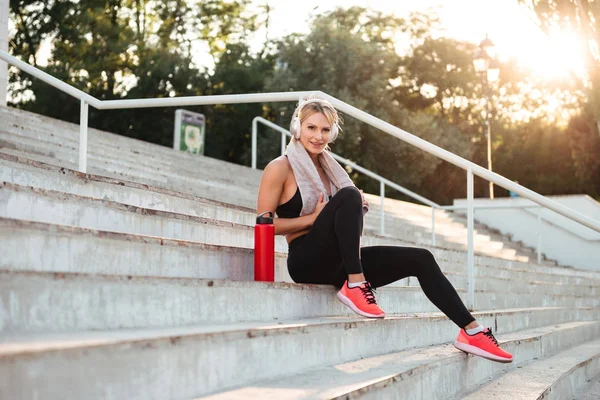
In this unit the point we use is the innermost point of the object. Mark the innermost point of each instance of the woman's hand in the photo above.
(321, 203)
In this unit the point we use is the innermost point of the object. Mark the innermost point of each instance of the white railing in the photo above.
(471, 168)
(382, 181)
(540, 218)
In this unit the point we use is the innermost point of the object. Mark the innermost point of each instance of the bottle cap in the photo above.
(261, 219)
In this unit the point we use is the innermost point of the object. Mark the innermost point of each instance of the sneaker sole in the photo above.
(467, 348)
(347, 302)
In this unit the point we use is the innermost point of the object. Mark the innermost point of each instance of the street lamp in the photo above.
(487, 66)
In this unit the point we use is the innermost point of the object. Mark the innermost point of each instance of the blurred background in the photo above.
(515, 83)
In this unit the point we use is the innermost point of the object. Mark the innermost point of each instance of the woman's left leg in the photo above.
(383, 265)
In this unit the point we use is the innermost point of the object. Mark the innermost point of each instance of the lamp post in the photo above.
(487, 66)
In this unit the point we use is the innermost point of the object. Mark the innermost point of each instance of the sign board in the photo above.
(189, 132)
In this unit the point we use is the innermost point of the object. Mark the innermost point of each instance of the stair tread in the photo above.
(25, 343)
(360, 376)
(535, 379)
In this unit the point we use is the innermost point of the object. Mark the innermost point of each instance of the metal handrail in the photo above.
(471, 168)
(382, 181)
(517, 207)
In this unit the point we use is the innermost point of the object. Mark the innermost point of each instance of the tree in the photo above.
(350, 54)
(115, 49)
(238, 71)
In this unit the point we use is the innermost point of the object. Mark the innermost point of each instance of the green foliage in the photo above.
(119, 49)
(237, 72)
(350, 55)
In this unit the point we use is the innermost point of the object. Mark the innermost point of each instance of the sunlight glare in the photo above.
(558, 56)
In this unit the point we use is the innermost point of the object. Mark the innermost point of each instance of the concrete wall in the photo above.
(3, 46)
(564, 240)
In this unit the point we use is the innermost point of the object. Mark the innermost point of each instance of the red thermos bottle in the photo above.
(264, 248)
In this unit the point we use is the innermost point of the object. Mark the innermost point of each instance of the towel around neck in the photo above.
(307, 176)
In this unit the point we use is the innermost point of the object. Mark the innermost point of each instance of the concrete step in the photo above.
(231, 194)
(45, 176)
(183, 172)
(62, 302)
(495, 248)
(21, 202)
(40, 175)
(452, 226)
(45, 138)
(33, 205)
(44, 301)
(556, 377)
(195, 361)
(590, 390)
(130, 165)
(501, 268)
(128, 150)
(91, 251)
(51, 129)
(438, 372)
(117, 166)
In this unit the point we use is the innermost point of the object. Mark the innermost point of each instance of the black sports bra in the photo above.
(291, 208)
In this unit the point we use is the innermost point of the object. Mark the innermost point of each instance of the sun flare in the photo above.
(558, 56)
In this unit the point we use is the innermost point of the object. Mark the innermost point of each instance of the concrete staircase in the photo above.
(135, 281)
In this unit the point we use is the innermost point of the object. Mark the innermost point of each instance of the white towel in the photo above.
(307, 176)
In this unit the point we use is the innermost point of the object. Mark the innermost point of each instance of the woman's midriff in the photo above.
(294, 235)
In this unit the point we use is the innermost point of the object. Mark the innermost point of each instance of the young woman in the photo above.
(320, 212)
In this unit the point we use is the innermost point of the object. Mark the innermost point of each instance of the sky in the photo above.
(510, 26)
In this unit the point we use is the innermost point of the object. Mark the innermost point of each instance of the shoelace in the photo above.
(489, 334)
(368, 292)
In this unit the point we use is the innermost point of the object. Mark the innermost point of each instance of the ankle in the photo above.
(472, 325)
(356, 278)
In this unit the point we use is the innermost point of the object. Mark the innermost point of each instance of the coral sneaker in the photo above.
(361, 300)
(482, 344)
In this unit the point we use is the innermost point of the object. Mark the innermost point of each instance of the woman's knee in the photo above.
(427, 260)
(350, 194)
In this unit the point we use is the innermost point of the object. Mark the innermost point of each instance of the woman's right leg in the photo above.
(330, 253)
(331, 250)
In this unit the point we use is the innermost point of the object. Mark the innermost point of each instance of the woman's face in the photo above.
(314, 133)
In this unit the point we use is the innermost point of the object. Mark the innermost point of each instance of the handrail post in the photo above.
(254, 132)
(433, 226)
(83, 136)
(283, 143)
(539, 235)
(382, 211)
(470, 252)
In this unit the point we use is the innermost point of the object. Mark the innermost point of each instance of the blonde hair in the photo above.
(312, 105)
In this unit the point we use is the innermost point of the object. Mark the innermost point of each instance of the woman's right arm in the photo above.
(269, 193)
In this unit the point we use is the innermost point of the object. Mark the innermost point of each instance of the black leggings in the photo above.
(331, 251)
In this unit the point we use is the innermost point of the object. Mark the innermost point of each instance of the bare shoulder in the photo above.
(278, 168)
